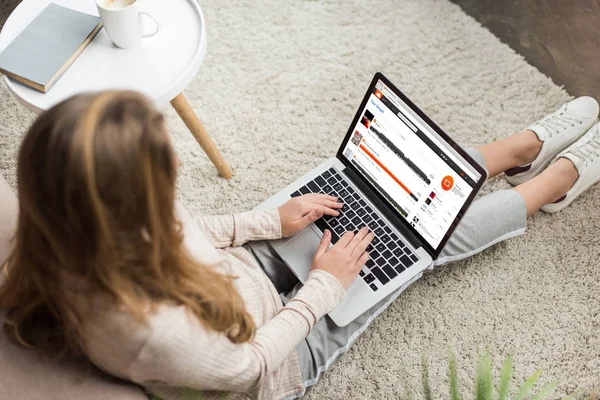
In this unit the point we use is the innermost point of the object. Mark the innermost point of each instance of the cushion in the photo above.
(27, 375)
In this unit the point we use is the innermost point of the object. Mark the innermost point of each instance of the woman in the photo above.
(106, 264)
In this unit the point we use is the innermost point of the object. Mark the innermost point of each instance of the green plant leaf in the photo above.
(505, 377)
(484, 385)
(546, 391)
(425, 378)
(528, 385)
(453, 376)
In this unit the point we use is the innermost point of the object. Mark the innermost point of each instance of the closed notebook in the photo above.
(48, 46)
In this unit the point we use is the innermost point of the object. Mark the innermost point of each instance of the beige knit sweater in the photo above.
(174, 357)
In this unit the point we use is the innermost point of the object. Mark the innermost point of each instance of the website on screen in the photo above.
(410, 165)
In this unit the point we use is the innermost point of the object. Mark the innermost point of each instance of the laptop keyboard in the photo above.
(388, 254)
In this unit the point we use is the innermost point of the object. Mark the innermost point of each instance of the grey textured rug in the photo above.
(278, 89)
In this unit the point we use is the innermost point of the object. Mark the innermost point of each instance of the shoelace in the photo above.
(588, 150)
(555, 122)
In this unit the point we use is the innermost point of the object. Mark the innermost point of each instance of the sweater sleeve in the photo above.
(235, 229)
(181, 353)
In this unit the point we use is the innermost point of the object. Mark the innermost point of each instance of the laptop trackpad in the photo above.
(299, 251)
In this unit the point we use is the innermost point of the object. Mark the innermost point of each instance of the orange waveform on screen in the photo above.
(383, 167)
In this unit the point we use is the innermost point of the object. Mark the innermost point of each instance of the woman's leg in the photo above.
(273, 266)
(518, 149)
(548, 186)
(490, 219)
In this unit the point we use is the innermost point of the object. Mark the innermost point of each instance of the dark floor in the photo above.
(561, 38)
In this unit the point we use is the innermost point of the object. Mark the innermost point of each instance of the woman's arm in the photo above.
(236, 229)
(182, 353)
(175, 350)
(230, 230)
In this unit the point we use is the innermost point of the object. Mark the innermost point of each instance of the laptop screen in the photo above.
(414, 169)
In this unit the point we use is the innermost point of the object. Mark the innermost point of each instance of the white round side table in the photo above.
(161, 68)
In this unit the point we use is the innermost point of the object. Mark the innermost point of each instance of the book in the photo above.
(48, 46)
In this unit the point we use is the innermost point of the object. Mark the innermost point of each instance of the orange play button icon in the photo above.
(447, 182)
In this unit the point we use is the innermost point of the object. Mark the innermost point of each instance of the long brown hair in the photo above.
(96, 183)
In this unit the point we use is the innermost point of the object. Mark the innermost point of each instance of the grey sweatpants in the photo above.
(490, 219)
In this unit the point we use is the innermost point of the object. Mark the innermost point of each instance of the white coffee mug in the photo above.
(122, 21)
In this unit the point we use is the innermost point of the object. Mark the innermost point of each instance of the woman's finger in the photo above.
(307, 208)
(364, 243)
(312, 196)
(360, 235)
(330, 211)
(309, 218)
(324, 245)
(344, 240)
(362, 260)
(327, 203)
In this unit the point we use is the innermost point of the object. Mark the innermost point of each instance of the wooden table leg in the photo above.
(187, 114)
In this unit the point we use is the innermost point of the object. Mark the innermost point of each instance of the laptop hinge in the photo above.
(384, 209)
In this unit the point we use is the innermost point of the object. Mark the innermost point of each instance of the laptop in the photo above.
(399, 174)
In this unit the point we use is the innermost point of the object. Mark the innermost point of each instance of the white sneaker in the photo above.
(557, 131)
(585, 155)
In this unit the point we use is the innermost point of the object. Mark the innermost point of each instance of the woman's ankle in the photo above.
(527, 146)
(565, 174)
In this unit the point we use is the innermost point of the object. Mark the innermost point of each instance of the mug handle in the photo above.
(147, 14)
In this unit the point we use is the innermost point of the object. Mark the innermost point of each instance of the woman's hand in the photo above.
(299, 212)
(345, 259)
